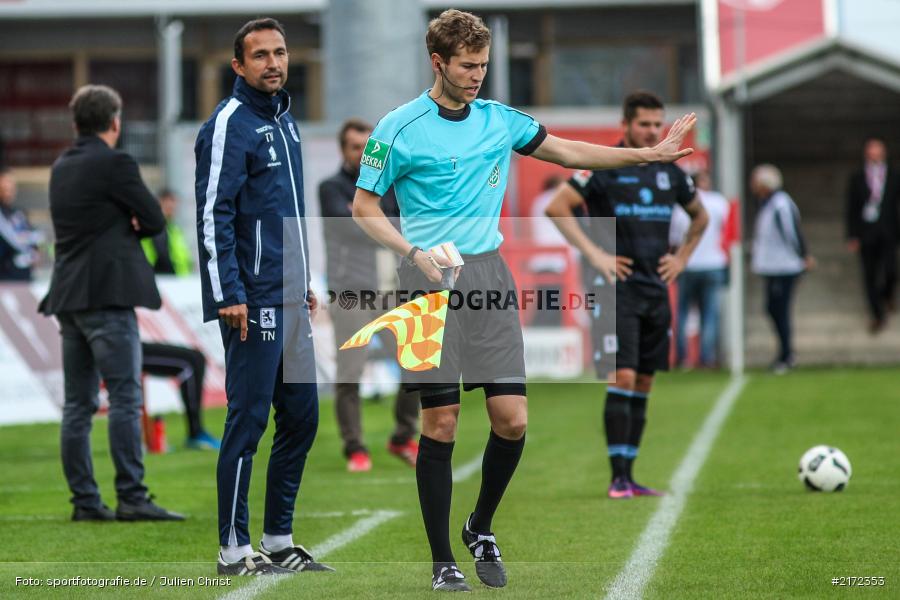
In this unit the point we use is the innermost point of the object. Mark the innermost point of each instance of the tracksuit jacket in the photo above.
(253, 245)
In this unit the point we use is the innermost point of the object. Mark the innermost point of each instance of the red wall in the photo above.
(769, 32)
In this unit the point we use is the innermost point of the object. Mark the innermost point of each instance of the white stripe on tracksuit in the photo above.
(212, 187)
(232, 534)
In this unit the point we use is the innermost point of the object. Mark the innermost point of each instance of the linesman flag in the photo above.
(418, 326)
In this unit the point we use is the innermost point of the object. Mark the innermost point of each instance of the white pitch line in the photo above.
(348, 536)
(359, 529)
(468, 469)
(637, 572)
(339, 540)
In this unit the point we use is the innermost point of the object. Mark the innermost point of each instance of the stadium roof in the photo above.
(145, 8)
(794, 68)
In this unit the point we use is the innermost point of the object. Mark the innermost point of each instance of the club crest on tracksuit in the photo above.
(293, 132)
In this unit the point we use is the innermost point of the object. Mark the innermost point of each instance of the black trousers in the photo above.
(779, 293)
(879, 265)
(188, 366)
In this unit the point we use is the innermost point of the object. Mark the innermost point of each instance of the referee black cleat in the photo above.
(484, 548)
(447, 578)
(294, 558)
(98, 513)
(251, 565)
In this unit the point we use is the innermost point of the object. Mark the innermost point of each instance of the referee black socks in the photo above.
(434, 478)
(636, 430)
(501, 456)
(617, 419)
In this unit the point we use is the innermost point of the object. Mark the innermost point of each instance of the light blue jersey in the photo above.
(448, 169)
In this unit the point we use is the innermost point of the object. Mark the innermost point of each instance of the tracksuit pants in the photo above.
(274, 366)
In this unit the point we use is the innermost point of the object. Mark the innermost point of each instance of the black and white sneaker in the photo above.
(484, 548)
(447, 578)
(252, 564)
(296, 559)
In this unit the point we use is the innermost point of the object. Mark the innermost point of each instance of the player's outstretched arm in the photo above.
(581, 155)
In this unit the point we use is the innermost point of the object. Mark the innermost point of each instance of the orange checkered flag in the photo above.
(418, 326)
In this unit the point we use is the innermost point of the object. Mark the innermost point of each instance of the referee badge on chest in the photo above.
(494, 179)
(662, 181)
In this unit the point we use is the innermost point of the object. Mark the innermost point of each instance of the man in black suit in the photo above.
(351, 268)
(872, 229)
(100, 208)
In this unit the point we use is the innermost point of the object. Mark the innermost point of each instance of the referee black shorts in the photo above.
(482, 336)
(643, 333)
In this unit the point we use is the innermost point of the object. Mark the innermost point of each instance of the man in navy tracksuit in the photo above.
(255, 281)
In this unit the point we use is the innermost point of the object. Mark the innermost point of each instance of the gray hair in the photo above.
(768, 176)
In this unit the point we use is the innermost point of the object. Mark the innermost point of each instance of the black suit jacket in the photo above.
(857, 195)
(99, 263)
(350, 252)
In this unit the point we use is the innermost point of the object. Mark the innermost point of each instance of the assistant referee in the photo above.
(447, 155)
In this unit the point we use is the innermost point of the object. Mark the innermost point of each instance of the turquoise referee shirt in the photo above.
(449, 171)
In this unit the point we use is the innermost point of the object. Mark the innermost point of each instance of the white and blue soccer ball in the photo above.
(825, 469)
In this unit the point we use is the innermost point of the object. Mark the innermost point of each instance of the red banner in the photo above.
(771, 27)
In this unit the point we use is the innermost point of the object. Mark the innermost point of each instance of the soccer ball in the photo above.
(824, 469)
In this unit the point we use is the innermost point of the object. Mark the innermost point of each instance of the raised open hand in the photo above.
(669, 150)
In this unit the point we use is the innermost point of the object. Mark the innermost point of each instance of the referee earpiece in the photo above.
(446, 78)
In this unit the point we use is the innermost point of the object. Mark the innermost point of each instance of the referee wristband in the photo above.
(410, 258)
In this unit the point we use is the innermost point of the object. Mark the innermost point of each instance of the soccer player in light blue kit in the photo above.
(447, 156)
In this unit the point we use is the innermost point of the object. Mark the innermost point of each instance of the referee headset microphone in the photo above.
(446, 78)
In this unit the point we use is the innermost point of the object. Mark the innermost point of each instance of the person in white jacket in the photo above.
(780, 254)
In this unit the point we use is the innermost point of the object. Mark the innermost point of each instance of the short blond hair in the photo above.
(454, 30)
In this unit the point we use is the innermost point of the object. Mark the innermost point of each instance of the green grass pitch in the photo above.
(749, 529)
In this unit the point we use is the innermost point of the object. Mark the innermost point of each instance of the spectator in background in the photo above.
(18, 239)
(702, 280)
(100, 208)
(780, 255)
(351, 268)
(167, 251)
(872, 229)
